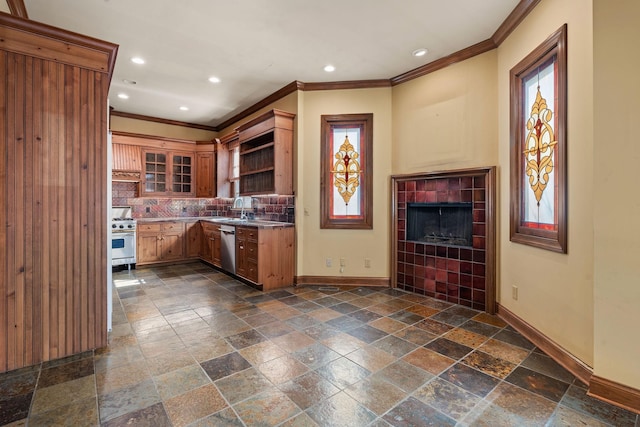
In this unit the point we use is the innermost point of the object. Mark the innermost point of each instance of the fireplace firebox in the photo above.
(440, 223)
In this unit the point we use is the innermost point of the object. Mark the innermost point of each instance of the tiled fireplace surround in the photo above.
(271, 208)
(461, 275)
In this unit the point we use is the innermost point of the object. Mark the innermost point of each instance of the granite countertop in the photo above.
(259, 223)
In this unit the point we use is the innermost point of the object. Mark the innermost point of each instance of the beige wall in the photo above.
(617, 205)
(143, 127)
(555, 291)
(314, 244)
(4, 6)
(447, 119)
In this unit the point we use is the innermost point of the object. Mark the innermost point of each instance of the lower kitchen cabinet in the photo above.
(211, 243)
(160, 242)
(265, 256)
(193, 239)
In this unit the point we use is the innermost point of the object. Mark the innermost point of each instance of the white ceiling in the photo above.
(258, 46)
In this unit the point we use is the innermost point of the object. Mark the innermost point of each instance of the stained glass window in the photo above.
(346, 171)
(539, 154)
(538, 146)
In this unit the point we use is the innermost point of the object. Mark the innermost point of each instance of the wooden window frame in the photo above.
(552, 240)
(365, 123)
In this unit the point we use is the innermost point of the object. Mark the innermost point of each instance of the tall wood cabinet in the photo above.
(53, 182)
(266, 154)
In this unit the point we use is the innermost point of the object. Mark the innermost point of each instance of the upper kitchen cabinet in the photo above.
(205, 170)
(168, 173)
(53, 192)
(266, 154)
(166, 166)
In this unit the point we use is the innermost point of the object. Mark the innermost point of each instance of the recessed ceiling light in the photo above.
(214, 79)
(184, 108)
(123, 96)
(420, 52)
(137, 60)
(329, 68)
(128, 82)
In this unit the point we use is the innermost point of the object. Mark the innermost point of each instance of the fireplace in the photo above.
(440, 223)
(444, 236)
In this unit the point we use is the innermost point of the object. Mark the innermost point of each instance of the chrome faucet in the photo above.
(243, 216)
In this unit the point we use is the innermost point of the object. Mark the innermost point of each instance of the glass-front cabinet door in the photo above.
(168, 173)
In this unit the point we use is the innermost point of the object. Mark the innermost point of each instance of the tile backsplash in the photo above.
(271, 208)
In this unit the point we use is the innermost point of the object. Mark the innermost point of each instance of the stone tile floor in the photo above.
(193, 347)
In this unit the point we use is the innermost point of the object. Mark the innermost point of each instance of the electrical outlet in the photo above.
(367, 263)
(147, 209)
(514, 292)
(343, 262)
(327, 262)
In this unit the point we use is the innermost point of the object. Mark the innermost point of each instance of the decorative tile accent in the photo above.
(442, 276)
(270, 208)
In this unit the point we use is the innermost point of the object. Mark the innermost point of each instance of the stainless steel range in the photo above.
(123, 236)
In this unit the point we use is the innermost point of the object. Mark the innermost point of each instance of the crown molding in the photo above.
(517, 15)
(163, 121)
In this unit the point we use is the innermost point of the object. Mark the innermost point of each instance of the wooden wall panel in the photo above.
(53, 201)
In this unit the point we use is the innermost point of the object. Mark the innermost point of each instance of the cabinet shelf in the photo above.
(266, 154)
(258, 148)
(257, 171)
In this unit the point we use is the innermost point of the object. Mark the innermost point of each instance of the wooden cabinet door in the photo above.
(148, 248)
(206, 248)
(241, 252)
(193, 239)
(173, 240)
(205, 167)
(215, 248)
(172, 246)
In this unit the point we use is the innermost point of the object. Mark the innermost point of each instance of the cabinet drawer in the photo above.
(252, 251)
(252, 271)
(150, 227)
(172, 226)
(249, 233)
(208, 227)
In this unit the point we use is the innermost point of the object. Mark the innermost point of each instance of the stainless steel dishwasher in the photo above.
(228, 248)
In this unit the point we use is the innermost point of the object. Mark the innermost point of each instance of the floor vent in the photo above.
(328, 288)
